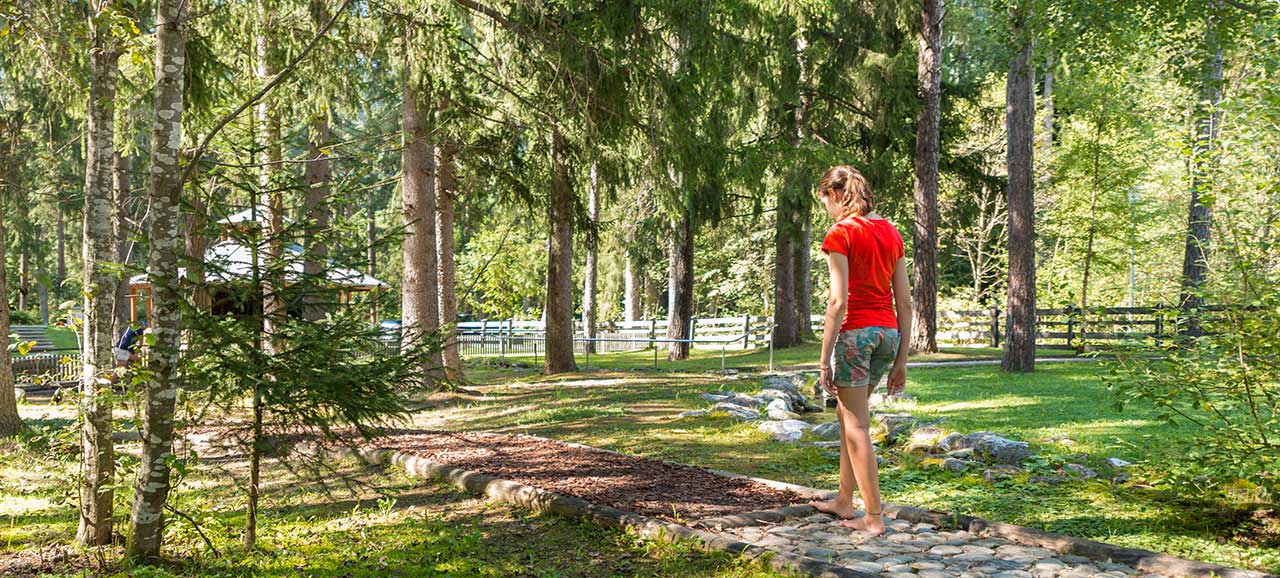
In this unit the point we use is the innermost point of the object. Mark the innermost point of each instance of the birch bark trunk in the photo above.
(98, 457)
(164, 227)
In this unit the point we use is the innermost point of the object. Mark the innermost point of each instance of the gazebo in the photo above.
(230, 261)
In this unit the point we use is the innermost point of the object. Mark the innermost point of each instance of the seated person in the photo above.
(126, 349)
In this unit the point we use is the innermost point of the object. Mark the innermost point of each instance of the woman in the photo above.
(862, 335)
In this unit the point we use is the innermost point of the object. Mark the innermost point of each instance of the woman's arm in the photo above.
(837, 300)
(901, 302)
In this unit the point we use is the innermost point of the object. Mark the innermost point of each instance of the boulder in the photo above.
(826, 445)
(736, 411)
(780, 409)
(948, 443)
(990, 447)
(785, 386)
(693, 413)
(744, 400)
(878, 399)
(788, 430)
(955, 465)
(827, 431)
(715, 396)
(962, 454)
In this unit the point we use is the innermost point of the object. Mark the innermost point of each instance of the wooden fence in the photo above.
(1055, 327)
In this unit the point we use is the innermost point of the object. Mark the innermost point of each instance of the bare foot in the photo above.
(836, 507)
(873, 525)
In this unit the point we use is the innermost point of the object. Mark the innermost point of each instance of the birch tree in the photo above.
(164, 231)
(97, 464)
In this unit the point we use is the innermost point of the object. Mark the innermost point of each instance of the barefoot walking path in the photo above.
(774, 515)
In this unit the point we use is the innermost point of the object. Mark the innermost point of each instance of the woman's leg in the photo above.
(855, 420)
(841, 506)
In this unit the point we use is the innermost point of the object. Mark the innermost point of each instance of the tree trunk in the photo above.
(1195, 261)
(681, 315)
(371, 238)
(196, 244)
(1094, 192)
(315, 176)
(589, 305)
(98, 459)
(804, 287)
(420, 299)
(446, 192)
(60, 231)
(1020, 341)
(24, 262)
(784, 271)
(271, 190)
(559, 307)
(10, 422)
(632, 285)
(924, 245)
(163, 228)
(121, 169)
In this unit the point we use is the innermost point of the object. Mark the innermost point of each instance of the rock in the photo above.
(693, 413)
(998, 473)
(131, 435)
(1118, 463)
(810, 408)
(1120, 478)
(990, 447)
(714, 396)
(892, 425)
(864, 566)
(736, 411)
(790, 430)
(827, 431)
(945, 550)
(962, 454)
(743, 400)
(826, 445)
(923, 439)
(955, 465)
(786, 386)
(824, 554)
(1051, 480)
(947, 443)
(780, 409)
(1083, 472)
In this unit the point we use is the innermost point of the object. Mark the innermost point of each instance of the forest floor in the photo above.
(635, 413)
(360, 522)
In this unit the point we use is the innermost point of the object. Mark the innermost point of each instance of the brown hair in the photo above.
(850, 189)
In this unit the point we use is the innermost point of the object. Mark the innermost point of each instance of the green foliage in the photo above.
(1225, 384)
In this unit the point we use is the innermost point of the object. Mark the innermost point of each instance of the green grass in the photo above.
(757, 359)
(375, 523)
(1057, 400)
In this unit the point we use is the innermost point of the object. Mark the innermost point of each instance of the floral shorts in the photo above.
(862, 356)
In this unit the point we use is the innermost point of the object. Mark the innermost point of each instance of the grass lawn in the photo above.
(63, 338)
(635, 413)
(758, 359)
(375, 523)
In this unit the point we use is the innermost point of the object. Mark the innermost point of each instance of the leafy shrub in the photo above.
(1225, 384)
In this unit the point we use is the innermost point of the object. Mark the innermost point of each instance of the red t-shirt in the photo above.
(873, 247)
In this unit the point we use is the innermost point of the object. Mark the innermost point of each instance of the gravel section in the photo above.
(923, 551)
(649, 487)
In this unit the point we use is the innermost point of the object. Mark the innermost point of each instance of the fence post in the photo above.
(772, 325)
(693, 322)
(995, 326)
(1071, 326)
(484, 335)
(653, 330)
(746, 331)
(1159, 329)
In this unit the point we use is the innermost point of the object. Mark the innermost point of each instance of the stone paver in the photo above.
(909, 550)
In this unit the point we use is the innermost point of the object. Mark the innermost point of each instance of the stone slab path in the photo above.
(909, 550)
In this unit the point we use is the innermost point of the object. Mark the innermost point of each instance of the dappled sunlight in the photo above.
(994, 403)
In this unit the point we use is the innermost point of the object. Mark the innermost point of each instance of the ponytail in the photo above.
(849, 189)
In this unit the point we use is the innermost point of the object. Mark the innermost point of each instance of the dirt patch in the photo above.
(641, 485)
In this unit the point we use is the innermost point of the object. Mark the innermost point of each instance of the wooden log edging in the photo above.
(540, 500)
(1144, 560)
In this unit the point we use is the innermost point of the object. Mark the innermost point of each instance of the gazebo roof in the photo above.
(229, 261)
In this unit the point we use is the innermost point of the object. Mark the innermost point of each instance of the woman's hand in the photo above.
(827, 380)
(897, 379)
